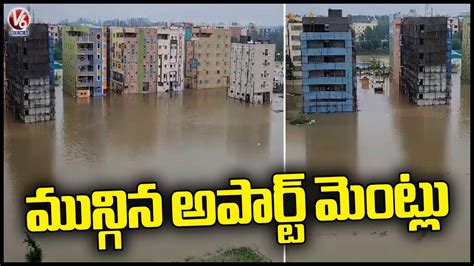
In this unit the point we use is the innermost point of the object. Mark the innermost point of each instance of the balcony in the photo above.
(84, 60)
(85, 39)
(85, 70)
(84, 83)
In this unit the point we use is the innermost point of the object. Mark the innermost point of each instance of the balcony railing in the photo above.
(85, 83)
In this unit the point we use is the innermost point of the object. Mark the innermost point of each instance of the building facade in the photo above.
(395, 26)
(424, 60)
(294, 27)
(133, 58)
(252, 67)
(360, 27)
(85, 56)
(30, 92)
(328, 64)
(208, 58)
(466, 49)
(171, 59)
(454, 24)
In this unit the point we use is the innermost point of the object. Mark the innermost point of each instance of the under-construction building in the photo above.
(424, 60)
(328, 63)
(29, 61)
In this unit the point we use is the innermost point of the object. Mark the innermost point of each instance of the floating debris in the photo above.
(277, 111)
(301, 120)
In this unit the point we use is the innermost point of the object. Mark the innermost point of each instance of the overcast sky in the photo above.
(265, 15)
(376, 9)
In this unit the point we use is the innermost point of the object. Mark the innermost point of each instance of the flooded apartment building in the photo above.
(424, 60)
(133, 57)
(328, 64)
(171, 58)
(29, 61)
(466, 49)
(252, 70)
(85, 57)
(208, 58)
(294, 28)
(146, 60)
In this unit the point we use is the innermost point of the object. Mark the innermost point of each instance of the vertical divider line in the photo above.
(284, 102)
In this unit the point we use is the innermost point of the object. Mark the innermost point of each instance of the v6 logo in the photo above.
(19, 18)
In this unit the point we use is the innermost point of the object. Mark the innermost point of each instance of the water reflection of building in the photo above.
(83, 141)
(130, 124)
(423, 137)
(248, 138)
(29, 156)
(332, 144)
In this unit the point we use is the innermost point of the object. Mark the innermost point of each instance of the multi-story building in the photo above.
(208, 58)
(85, 60)
(395, 26)
(328, 63)
(133, 55)
(55, 32)
(252, 67)
(294, 28)
(424, 60)
(454, 24)
(171, 53)
(360, 27)
(30, 92)
(466, 49)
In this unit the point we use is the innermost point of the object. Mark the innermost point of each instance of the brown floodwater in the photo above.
(194, 138)
(386, 136)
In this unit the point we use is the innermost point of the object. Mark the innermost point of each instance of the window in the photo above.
(25, 82)
(420, 56)
(218, 72)
(265, 52)
(420, 69)
(24, 51)
(421, 41)
(25, 66)
(98, 56)
(98, 46)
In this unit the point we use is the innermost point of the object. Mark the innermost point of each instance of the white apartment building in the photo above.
(171, 59)
(252, 67)
(294, 29)
(453, 23)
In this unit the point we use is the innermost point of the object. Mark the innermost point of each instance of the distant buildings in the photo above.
(85, 60)
(466, 49)
(328, 64)
(360, 27)
(30, 92)
(454, 24)
(208, 58)
(252, 72)
(424, 60)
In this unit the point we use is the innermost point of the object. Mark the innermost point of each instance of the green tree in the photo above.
(34, 252)
(457, 41)
(58, 51)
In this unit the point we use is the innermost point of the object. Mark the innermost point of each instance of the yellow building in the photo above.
(208, 58)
